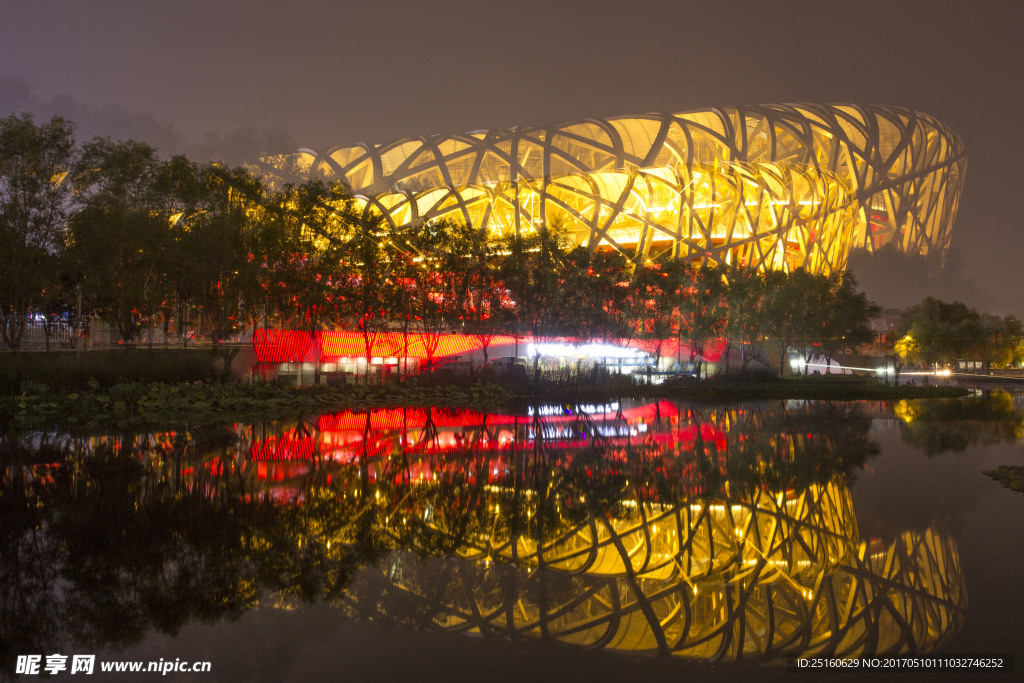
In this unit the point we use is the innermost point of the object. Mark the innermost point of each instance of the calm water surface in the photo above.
(600, 541)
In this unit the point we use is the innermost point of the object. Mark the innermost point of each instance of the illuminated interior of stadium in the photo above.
(770, 186)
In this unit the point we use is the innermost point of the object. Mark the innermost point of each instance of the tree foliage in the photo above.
(35, 200)
(949, 331)
(119, 237)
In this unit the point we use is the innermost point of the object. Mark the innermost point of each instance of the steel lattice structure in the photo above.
(770, 186)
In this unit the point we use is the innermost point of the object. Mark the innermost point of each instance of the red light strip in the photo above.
(299, 346)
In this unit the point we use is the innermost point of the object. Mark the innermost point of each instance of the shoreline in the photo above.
(159, 405)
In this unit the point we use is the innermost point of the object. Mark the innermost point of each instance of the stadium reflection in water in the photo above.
(706, 532)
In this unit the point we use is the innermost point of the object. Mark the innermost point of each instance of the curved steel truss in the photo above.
(771, 186)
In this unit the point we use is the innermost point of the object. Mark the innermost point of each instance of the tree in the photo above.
(314, 251)
(532, 269)
(781, 311)
(481, 313)
(34, 204)
(812, 296)
(604, 291)
(217, 263)
(906, 350)
(317, 228)
(340, 270)
(946, 331)
(590, 294)
(368, 291)
(650, 303)
(703, 308)
(848, 316)
(440, 279)
(746, 323)
(1008, 351)
(797, 308)
(120, 234)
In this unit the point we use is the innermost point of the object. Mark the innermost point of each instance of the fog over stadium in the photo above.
(232, 81)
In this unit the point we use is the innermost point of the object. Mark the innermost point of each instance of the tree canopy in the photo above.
(945, 332)
(35, 200)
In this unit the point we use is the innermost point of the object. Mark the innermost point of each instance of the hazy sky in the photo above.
(341, 72)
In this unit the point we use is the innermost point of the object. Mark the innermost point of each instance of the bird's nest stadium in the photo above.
(770, 186)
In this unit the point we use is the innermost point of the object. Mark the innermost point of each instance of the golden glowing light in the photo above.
(771, 187)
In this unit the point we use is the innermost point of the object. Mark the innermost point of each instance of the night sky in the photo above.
(332, 73)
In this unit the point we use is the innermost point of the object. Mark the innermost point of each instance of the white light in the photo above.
(561, 350)
(586, 409)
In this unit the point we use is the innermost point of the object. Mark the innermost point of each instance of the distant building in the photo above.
(885, 327)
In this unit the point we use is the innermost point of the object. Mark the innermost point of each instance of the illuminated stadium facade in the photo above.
(771, 186)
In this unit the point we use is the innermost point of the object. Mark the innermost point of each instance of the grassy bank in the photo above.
(132, 405)
(69, 371)
(1010, 476)
(137, 405)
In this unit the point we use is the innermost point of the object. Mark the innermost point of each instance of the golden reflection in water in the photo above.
(656, 530)
(794, 535)
(736, 572)
(908, 596)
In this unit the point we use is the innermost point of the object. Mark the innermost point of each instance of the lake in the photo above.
(600, 541)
